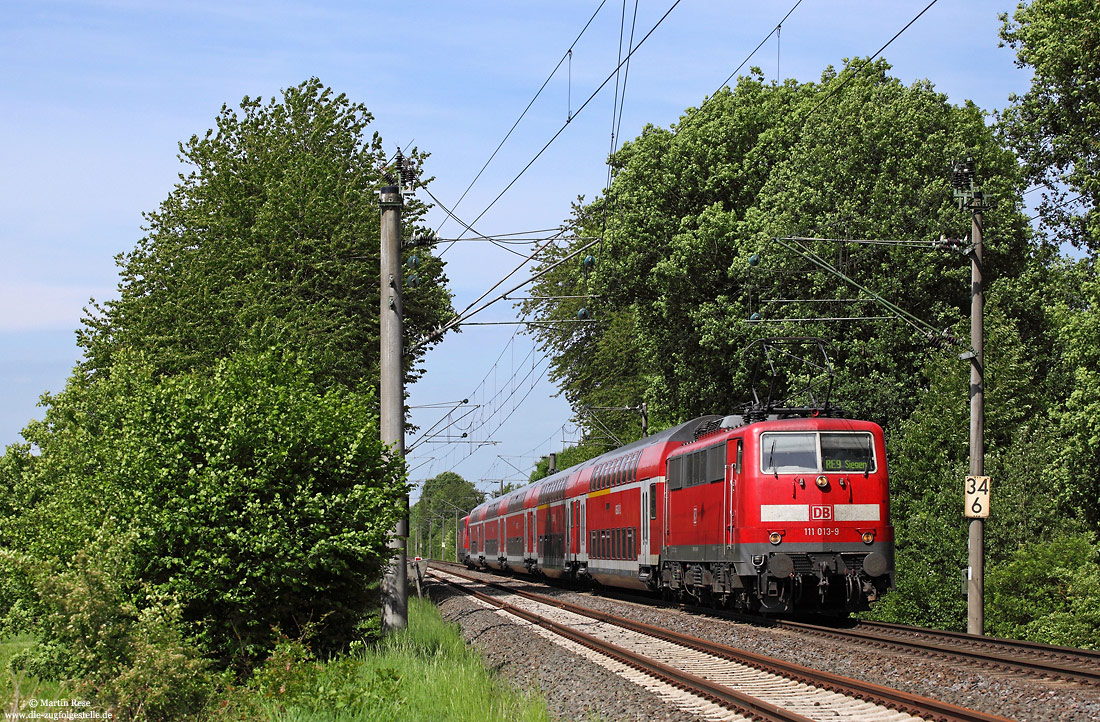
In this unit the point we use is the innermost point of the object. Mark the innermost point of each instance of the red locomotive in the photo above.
(775, 515)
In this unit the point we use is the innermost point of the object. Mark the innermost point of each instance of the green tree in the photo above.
(1077, 321)
(441, 498)
(270, 239)
(1054, 126)
(929, 457)
(687, 255)
(256, 500)
(1049, 592)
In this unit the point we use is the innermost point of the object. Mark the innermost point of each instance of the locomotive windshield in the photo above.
(811, 452)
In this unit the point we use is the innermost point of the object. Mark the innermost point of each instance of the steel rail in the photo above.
(1004, 656)
(751, 706)
(869, 691)
(1085, 656)
(1080, 666)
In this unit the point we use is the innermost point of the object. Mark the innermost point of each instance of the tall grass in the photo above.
(423, 673)
(17, 686)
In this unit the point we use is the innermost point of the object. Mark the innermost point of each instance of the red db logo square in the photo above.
(821, 513)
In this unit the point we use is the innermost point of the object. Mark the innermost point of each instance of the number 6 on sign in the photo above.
(977, 497)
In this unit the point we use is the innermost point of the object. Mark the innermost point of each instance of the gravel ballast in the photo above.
(577, 689)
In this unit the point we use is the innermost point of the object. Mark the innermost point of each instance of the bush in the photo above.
(130, 658)
(1048, 592)
(254, 500)
(424, 672)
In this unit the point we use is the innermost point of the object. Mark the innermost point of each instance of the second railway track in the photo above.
(1042, 661)
(1061, 663)
(756, 686)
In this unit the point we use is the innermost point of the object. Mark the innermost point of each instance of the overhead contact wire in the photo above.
(567, 54)
(582, 107)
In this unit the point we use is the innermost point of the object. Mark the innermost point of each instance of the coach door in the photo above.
(734, 451)
(574, 527)
(663, 541)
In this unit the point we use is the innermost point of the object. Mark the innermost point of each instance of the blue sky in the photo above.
(97, 94)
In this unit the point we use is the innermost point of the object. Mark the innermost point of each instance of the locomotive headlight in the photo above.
(822, 482)
(868, 537)
(775, 537)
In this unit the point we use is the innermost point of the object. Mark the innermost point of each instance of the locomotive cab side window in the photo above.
(812, 452)
(675, 477)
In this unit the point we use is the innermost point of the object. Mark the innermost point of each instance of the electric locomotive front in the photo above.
(815, 513)
(779, 516)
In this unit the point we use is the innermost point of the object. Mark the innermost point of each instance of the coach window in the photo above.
(652, 501)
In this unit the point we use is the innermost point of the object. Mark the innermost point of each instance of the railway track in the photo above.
(1036, 660)
(1081, 666)
(752, 685)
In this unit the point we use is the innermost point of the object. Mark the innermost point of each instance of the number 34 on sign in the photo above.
(977, 497)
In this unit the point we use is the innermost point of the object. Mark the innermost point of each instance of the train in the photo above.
(783, 513)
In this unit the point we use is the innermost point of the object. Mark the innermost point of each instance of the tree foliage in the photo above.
(1076, 319)
(126, 651)
(1054, 126)
(1049, 591)
(432, 517)
(689, 254)
(254, 498)
(224, 422)
(693, 208)
(270, 239)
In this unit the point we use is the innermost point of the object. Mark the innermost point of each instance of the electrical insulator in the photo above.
(754, 317)
(754, 260)
(582, 312)
(413, 261)
(962, 174)
(589, 261)
(413, 281)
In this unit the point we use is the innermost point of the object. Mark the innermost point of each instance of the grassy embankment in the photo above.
(424, 673)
